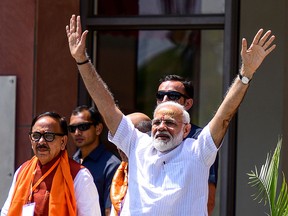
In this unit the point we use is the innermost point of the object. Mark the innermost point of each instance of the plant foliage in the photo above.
(266, 184)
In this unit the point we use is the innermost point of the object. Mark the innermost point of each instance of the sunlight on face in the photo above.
(164, 145)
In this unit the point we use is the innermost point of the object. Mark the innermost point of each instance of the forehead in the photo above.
(46, 123)
(83, 116)
(172, 86)
(168, 112)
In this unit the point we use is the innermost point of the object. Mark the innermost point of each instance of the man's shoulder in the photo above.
(195, 131)
(26, 163)
(74, 167)
(103, 156)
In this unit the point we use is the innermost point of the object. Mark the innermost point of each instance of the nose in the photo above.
(41, 140)
(162, 126)
(77, 131)
(165, 98)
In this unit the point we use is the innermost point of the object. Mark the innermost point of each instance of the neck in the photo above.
(86, 150)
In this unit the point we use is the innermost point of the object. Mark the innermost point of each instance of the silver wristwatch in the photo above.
(245, 80)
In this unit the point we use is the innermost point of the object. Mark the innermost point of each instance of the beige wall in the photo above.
(263, 113)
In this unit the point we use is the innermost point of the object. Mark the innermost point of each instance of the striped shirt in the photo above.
(172, 183)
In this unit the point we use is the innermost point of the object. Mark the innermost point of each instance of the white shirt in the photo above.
(174, 183)
(86, 194)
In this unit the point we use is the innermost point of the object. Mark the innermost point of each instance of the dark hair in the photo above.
(95, 115)
(189, 89)
(61, 120)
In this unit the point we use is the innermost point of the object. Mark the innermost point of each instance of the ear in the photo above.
(64, 142)
(188, 103)
(186, 129)
(99, 129)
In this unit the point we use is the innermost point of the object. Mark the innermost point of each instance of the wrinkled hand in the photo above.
(76, 39)
(259, 49)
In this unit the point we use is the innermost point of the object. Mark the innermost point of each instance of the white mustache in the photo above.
(162, 133)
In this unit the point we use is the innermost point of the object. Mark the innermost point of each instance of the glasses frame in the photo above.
(89, 124)
(170, 94)
(43, 135)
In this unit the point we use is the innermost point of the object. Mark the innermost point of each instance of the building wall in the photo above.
(55, 74)
(261, 115)
(35, 49)
(17, 56)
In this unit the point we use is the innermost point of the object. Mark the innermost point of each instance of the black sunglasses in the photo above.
(172, 95)
(48, 136)
(81, 127)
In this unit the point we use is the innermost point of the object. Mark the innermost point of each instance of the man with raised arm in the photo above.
(167, 174)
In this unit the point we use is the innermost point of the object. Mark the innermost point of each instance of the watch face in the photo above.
(245, 80)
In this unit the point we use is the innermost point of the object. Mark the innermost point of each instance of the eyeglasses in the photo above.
(48, 136)
(172, 95)
(81, 127)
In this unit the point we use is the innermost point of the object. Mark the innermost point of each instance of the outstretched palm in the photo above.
(76, 38)
(259, 49)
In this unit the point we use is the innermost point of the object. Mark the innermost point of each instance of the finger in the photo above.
(244, 46)
(83, 37)
(264, 38)
(257, 36)
(267, 44)
(79, 27)
(270, 49)
(67, 31)
(72, 24)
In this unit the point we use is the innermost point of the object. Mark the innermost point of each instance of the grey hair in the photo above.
(186, 116)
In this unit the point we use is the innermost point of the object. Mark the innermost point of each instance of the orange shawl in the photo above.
(62, 197)
(119, 186)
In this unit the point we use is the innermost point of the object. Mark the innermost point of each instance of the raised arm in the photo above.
(96, 87)
(251, 60)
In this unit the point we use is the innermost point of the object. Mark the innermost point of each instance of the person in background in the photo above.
(178, 89)
(85, 128)
(51, 183)
(120, 180)
(168, 174)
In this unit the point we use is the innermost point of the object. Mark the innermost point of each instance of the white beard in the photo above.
(162, 145)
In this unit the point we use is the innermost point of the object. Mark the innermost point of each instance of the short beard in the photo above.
(164, 146)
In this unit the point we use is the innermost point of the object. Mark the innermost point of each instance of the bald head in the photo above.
(137, 117)
(141, 121)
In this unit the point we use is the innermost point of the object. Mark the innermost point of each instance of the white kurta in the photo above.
(87, 198)
(174, 183)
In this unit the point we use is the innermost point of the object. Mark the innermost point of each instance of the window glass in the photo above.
(197, 55)
(157, 7)
(132, 62)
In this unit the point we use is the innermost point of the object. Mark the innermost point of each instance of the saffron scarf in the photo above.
(62, 196)
(119, 186)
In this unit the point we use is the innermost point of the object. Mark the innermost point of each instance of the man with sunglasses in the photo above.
(176, 88)
(86, 126)
(51, 183)
(168, 174)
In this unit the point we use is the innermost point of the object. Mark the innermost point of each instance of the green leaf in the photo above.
(266, 184)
